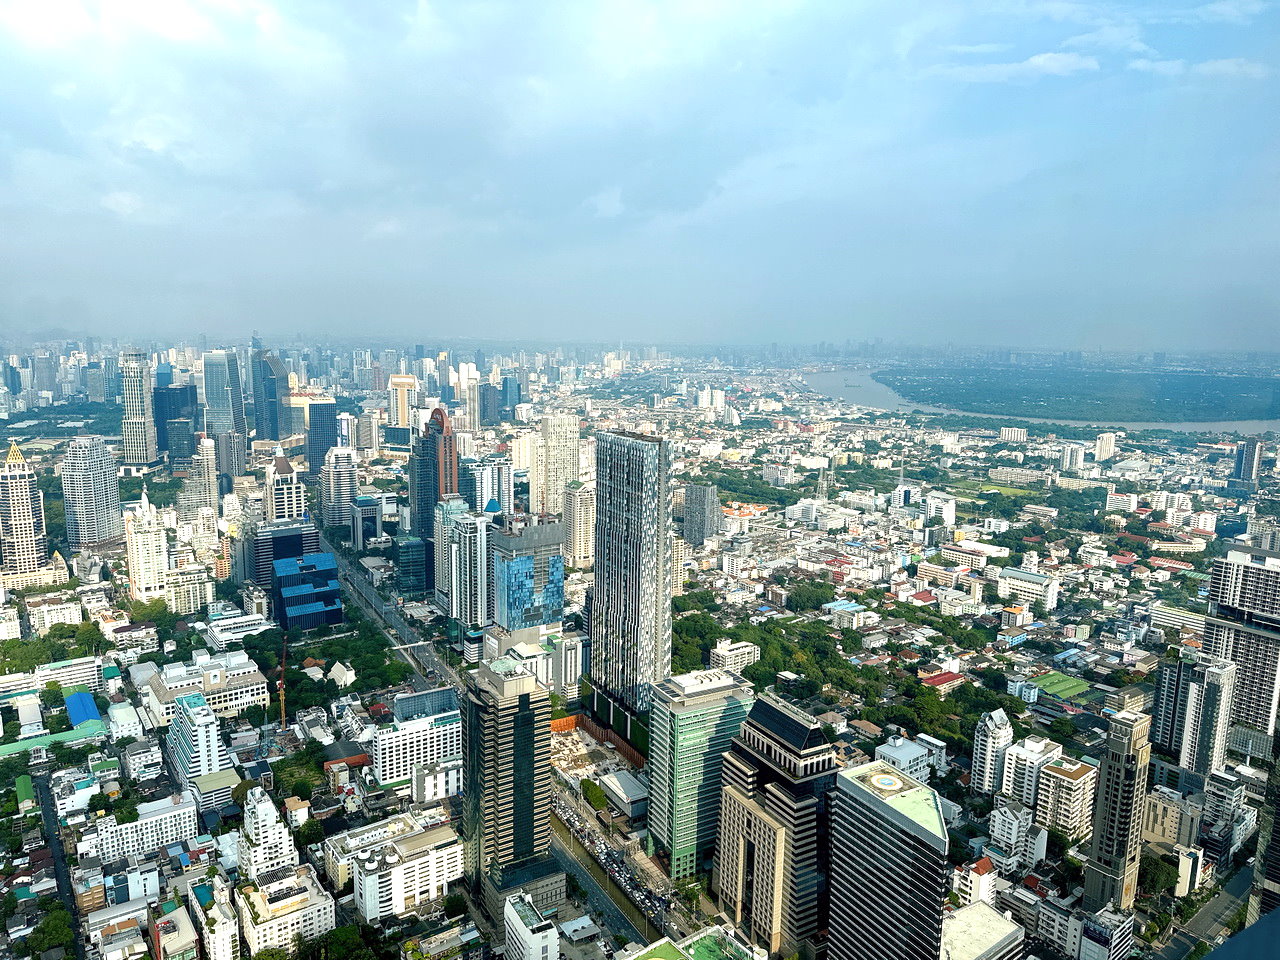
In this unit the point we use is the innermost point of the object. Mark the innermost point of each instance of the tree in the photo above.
(99, 802)
(51, 695)
(592, 793)
(1156, 876)
(455, 905)
(302, 788)
(240, 791)
(311, 831)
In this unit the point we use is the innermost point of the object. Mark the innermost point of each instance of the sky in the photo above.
(1060, 173)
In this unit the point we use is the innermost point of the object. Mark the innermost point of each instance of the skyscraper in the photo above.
(146, 551)
(771, 851)
(462, 584)
(889, 869)
(339, 482)
(137, 427)
(556, 465)
(174, 408)
(195, 746)
(1243, 626)
(322, 431)
(433, 474)
(223, 394)
(506, 805)
(703, 517)
(270, 386)
(1064, 799)
(1111, 872)
(91, 494)
(580, 524)
(24, 543)
(1248, 465)
(695, 718)
(200, 488)
(631, 597)
(1192, 711)
(265, 842)
(1265, 894)
(403, 388)
(1104, 447)
(528, 577)
(991, 738)
(484, 483)
(284, 497)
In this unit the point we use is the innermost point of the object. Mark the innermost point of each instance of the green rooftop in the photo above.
(1060, 685)
(662, 949)
(26, 789)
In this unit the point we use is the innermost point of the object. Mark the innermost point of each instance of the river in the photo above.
(857, 386)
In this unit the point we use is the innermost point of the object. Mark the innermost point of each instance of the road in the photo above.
(50, 816)
(401, 632)
(1210, 920)
(599, 901)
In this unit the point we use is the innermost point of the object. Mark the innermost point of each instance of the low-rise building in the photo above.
(283, 905)
(229, 682)
(406, 874)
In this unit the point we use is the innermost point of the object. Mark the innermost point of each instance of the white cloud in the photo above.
(1244, 69)
(1039, 65)
(607, 204)
(1229, 11)
(123, 203)
(1165, 68)
(1112, 36)
(385, 229)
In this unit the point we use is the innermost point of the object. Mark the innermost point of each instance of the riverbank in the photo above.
(859, 387)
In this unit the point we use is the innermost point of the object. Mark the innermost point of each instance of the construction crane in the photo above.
(284, 664)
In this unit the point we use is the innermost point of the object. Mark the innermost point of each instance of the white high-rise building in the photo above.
(1023, 762)
(1104, 447)
(406, 872)
(160, 822)
(426, 731)
(277, 910)
(991, 738)
(24, 543)
(91, 494)
(1017, 842)
(463, 583)
(580, 524)
(339, 483)
(138, 427)
(219, 930)
(1064, 797)
(265, 843)
(530, 935)
(557, 463)
(146, 551)
(194, 743)
(631, 605)
(403, 390)
(200, 489)
(285, 498)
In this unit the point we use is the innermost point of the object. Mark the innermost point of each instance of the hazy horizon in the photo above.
(1049, 174)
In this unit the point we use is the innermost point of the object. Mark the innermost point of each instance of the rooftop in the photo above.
(889, 788)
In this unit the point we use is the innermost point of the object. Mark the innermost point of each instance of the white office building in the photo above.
(1023, 762)
(160, 822)
(426, 730)
(283, 905)
(530, 935)
(406, 873)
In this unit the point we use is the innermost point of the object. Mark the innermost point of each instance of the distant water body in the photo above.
(857, 386)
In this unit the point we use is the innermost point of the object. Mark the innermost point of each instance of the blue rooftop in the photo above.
(80, 708)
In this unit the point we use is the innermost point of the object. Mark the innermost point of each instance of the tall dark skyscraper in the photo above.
(322, 432)
(506, 808)
(223, 394)
(631, 598)
(1248, 466)
(433, 473)
(771, 850)
(1111, 873)
(889, 868)
(703, 517)
(270, 386)
(170, 404)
